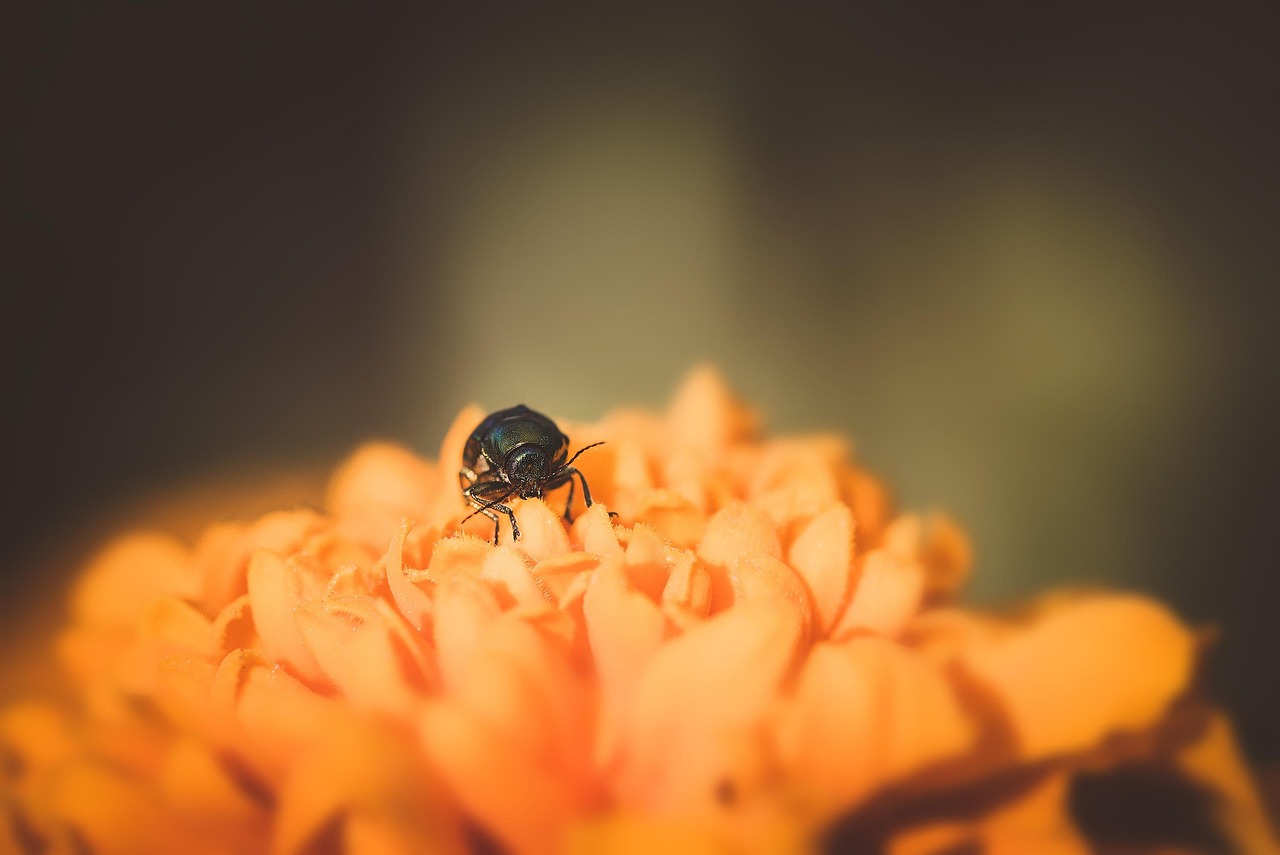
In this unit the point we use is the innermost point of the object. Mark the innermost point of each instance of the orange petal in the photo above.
(704, 416)
(947, 556)
(1084, 670)
(464, 609)
(625, 629)
(183, 685)
(508, 792)
(364, 776)
(686, 598)
(1037, 820)
(696, 726)
(35, 737)
(557, 574)
(547, 710)
(384, 479)
(736, 532)
(459, 557)
(887, 596)
(823, 556)
(411, 600)
(866, 713)
(514, 581)
(637, 834)
(233, 627)
(632, 474)
(510, 740)
(673, 516)
(368, 653)
(448, 501)
(171, 625)
(794, 480)
(744, 832)
(277, 587)
(113, 815)
(650, 560)
(542, 533)
(593, 532)
(203, 793)
(771, 583)
(127, 575)
(267, 717)
(871, 503)
(1214, 761)
(222, 557)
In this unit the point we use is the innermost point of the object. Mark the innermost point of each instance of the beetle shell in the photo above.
(501, 433)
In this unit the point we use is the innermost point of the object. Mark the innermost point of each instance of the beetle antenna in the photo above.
(569, 462)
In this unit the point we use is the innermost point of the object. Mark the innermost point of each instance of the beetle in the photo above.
(517, 452)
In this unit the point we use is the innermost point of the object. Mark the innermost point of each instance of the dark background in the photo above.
(1027, 258)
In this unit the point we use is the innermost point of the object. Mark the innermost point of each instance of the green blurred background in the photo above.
(1027, 258)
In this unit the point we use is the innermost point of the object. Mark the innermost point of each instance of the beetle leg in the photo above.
(569, 472)
(568, 505)
(487, 507)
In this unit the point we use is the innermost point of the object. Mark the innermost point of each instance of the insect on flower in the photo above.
(516, 452)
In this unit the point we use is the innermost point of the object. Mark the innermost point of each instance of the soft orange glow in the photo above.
(757, 648)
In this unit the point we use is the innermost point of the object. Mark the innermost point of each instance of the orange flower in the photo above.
(757, 655)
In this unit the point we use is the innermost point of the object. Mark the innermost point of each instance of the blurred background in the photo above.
(1027, 259)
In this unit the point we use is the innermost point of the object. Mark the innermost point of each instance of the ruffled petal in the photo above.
(1083, 670)
(867, 713)
(695, 732)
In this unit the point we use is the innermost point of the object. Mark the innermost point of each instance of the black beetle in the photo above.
(516, 452)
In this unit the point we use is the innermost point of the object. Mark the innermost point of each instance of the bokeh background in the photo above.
(1027, 258)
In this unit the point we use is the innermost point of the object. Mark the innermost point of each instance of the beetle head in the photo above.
(526, 470)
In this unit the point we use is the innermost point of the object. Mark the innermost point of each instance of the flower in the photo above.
(758, 655)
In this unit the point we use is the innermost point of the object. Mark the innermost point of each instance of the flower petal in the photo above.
(205, 795)
(412, 601)
(672, 515)
(650, 560)
(557, 574)
(866, 713)
(384, 479)
(464, 611)
(1084, 670)
(593, 532)
(736, 533)
(448, 501)
(364, 776)
(514, 581)
(368, 653)
(277, 587)
(114, 815)
(222, 556)
(509, 738)
(625, 628)
(686, 598)
(127, 575)
(696, 727)
(1214, 761)
(267, 717)
(887, 596)
(1037, 820)
(508, 792)
(542, 533)
(823, 556)
(704, 416)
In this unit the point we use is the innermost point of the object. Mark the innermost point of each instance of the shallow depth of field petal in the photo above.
(759, 653)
